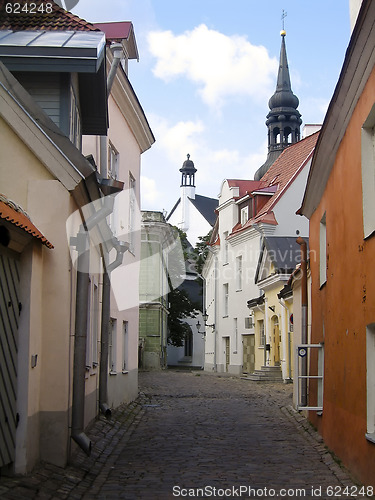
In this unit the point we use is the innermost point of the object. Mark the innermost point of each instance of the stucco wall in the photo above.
(343, 307)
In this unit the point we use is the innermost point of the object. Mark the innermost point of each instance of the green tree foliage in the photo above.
(180, 304)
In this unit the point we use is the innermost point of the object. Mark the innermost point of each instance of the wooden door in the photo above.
(248, 353)
(9, 313)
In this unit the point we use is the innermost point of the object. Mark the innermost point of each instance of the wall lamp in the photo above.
(205, 318)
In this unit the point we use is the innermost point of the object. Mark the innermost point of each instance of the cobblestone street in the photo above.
(189, 431)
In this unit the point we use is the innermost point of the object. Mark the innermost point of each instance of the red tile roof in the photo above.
(245, 186)
(58, 19)
(281, 174)
(14, 214)
(287, 166)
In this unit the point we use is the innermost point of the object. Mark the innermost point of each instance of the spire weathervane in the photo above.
(283, 16)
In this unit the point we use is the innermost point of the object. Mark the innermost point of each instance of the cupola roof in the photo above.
(188, 166)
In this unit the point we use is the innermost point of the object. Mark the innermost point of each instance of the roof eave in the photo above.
(358, 64)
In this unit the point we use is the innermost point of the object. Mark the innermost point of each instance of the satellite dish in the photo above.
(66, 4)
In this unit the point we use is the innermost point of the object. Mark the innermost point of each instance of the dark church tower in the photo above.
(283, 121)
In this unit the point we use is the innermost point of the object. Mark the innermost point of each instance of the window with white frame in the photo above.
(323, 251)
(262, 338)
(132, 212)
(244, 215)
(112, 345)
(370, 381)
(225, 299)
(235, 326)
(239, 273)
(125, 331)
(113, 162)
(368, 173)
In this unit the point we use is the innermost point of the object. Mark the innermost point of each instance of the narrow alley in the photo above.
(194, 434)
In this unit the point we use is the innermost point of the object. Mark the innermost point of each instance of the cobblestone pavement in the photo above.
(226, 436)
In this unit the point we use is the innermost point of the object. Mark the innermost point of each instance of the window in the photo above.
(113, 162)
(261, 333)
(226, 299)
(370, 382)
(323, 251)
(125, 331)
(132, 211)
(235, 326)
(226, 248)
(239, 273)
(249, 322)
(244, 215)
(112, 345)
(368, 173)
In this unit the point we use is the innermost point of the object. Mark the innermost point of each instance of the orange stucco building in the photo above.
(340, 203)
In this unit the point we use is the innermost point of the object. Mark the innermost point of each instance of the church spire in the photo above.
(283, 120)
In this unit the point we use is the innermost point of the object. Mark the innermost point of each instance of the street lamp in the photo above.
(205, 318)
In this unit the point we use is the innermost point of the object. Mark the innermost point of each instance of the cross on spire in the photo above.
(283, 16)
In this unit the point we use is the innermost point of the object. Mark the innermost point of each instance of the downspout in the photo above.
(267, 357)
(106, 294)
(121, 248)
(215, 312)
(82, 244)
(284, 339)
(103, 373)
(118, 53)
(304, 312)
(80, 338)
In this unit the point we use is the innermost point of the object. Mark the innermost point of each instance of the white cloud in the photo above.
(222, 66)
(149, 191)
(176, 140)
(213, 162)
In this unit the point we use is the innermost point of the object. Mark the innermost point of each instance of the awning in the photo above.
(12, 213)
(62, 51)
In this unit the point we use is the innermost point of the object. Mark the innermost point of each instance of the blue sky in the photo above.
(206, 71)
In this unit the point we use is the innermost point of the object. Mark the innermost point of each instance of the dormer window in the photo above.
(244, 215)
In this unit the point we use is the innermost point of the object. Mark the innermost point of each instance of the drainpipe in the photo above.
(103, 373)
(284, 318)
(121, 248)
(81, 242)
(118, 54)
(266, 356)
(304, 338)
(79, 360)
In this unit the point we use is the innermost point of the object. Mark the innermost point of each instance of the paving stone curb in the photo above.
(83, 474)
(315, 439)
